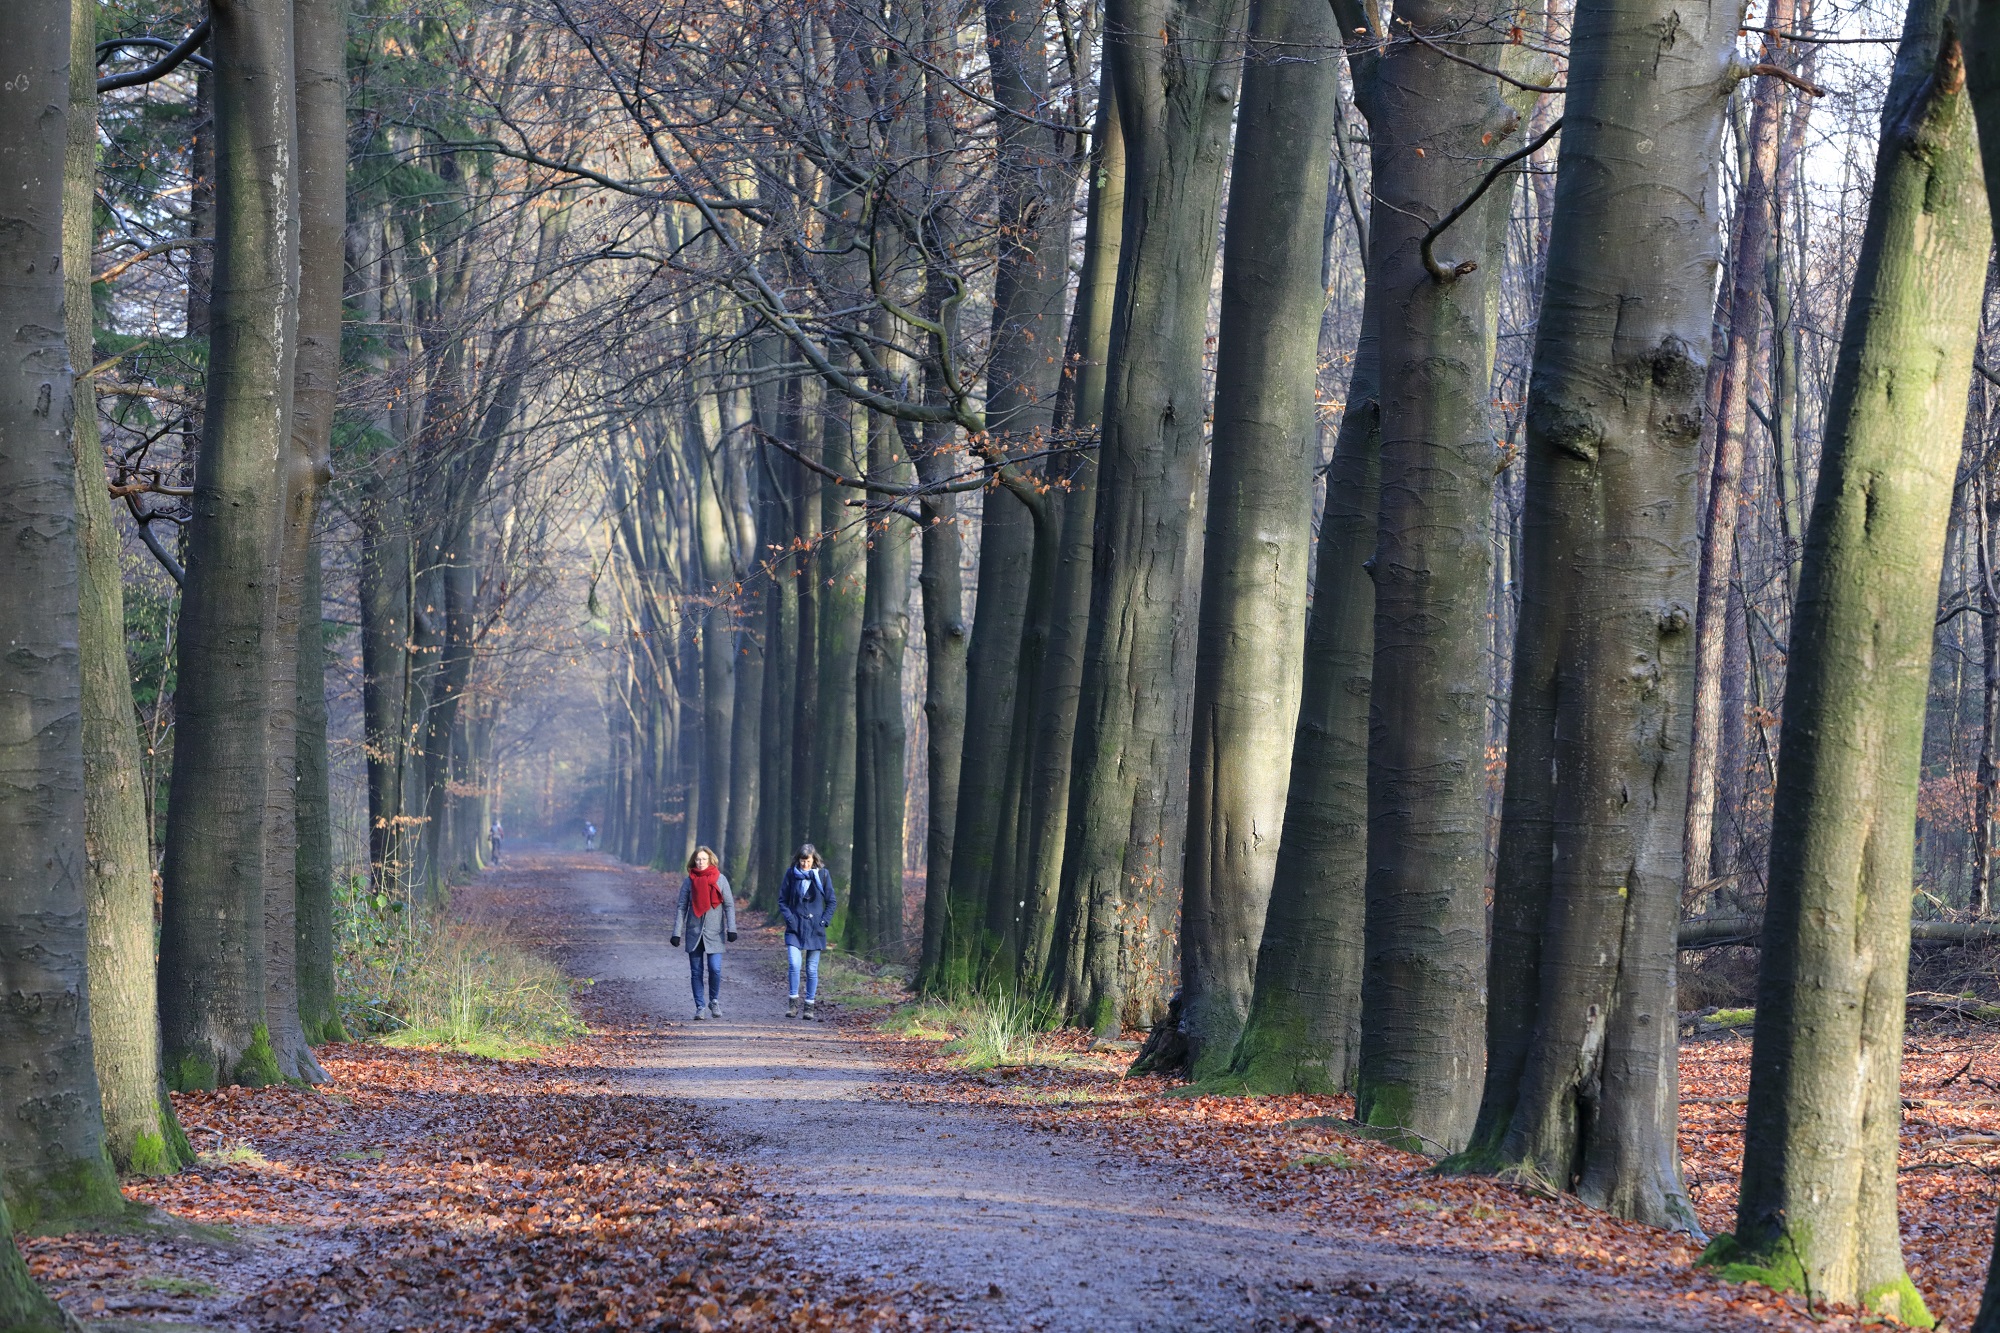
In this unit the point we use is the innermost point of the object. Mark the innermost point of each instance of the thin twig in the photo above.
(1502, 75)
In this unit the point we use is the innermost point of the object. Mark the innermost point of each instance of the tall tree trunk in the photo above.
(838, 570)
(1250, 650)
(992, 679)
(1818, 1203)
(1437, 126)
(1581, 1079)
(1986, 787)
(875, 893)
(53, 1167)
(1035, 195)
(212, 945)
(139, 1126)
(1303, 1032)
(774, 536)
(319, 1006)
(319, 53)
(718, 630)
(383, 575)
(1053, 929)
(806, 741)
(1755, 223)
(943, 598)
(748, 640)
(1122, 859)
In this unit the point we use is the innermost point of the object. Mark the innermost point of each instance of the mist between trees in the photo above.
(1338, 538)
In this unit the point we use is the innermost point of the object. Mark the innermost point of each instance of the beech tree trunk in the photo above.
(943, 598)
(1818, 1203)
(319, 1006)
(746, 704)
(875, 891)
(319, 53)
(1581, 1077)
(139, 1126)
(1122, 859)
(1303, 1031)
(53, 1167)
(839, 571)
(1437, 126)
(1052, 929)
(1250, 649)
(718, 630)
(212, 944)
(1754, 229)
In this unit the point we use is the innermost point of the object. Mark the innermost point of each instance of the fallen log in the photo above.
(1717, 932)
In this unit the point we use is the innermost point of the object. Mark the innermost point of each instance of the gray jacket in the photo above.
(712, 930)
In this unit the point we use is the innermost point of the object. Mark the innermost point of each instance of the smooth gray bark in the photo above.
(212, 949)
(53, 1167)
(875, 893)
(1581, 1080)
(1250, 653)
(1122, 858)
(139, 1126)
(1817, 1209)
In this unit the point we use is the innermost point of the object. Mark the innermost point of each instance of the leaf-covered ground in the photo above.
(427, 1191)
(420, 1190)
(1291, 1155)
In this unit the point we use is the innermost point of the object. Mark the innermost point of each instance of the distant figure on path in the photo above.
(806, 903)
(494, 835)
(589, 836)
(707, 918)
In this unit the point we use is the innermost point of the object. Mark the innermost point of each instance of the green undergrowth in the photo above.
(980, 1028)
(990, 1030)
(429, 980)
(849, 980)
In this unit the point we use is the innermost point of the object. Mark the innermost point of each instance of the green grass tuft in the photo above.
(1732, 1018)
(464, 987)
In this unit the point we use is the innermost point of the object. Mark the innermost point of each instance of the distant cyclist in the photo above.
(589, 836)
(495, 834)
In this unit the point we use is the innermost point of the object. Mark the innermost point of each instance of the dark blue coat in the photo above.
(806, 903)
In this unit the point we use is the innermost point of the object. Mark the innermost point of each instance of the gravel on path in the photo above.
(1014, 1231)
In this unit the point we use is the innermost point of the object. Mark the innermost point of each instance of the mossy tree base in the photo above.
(1782, 1270)
(81, 1197)
(197, 1071)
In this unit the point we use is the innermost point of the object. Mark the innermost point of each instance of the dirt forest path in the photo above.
(1013, 1230)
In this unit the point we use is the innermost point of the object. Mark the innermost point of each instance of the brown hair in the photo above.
(713, 859)
(809, 854)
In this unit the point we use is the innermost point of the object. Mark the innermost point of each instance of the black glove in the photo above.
(674, 940)
(732, 937)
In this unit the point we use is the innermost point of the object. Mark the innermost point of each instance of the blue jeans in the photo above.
(810, 957)
(714, 971)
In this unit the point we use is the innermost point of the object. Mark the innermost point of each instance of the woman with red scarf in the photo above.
(707, 918)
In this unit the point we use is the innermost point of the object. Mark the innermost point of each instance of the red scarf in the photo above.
(707, 889)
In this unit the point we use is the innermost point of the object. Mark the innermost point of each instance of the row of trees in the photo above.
(799, 277)
(233, 269)
(1146, 761)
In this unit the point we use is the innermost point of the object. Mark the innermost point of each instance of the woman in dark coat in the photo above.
(707, 917)
(805, 901)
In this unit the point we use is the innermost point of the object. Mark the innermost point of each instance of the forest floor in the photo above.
(759, 1172)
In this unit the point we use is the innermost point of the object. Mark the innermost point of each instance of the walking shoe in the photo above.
(792, 1007)
(714, 1009)
(699, 1015)
(809, 1009)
